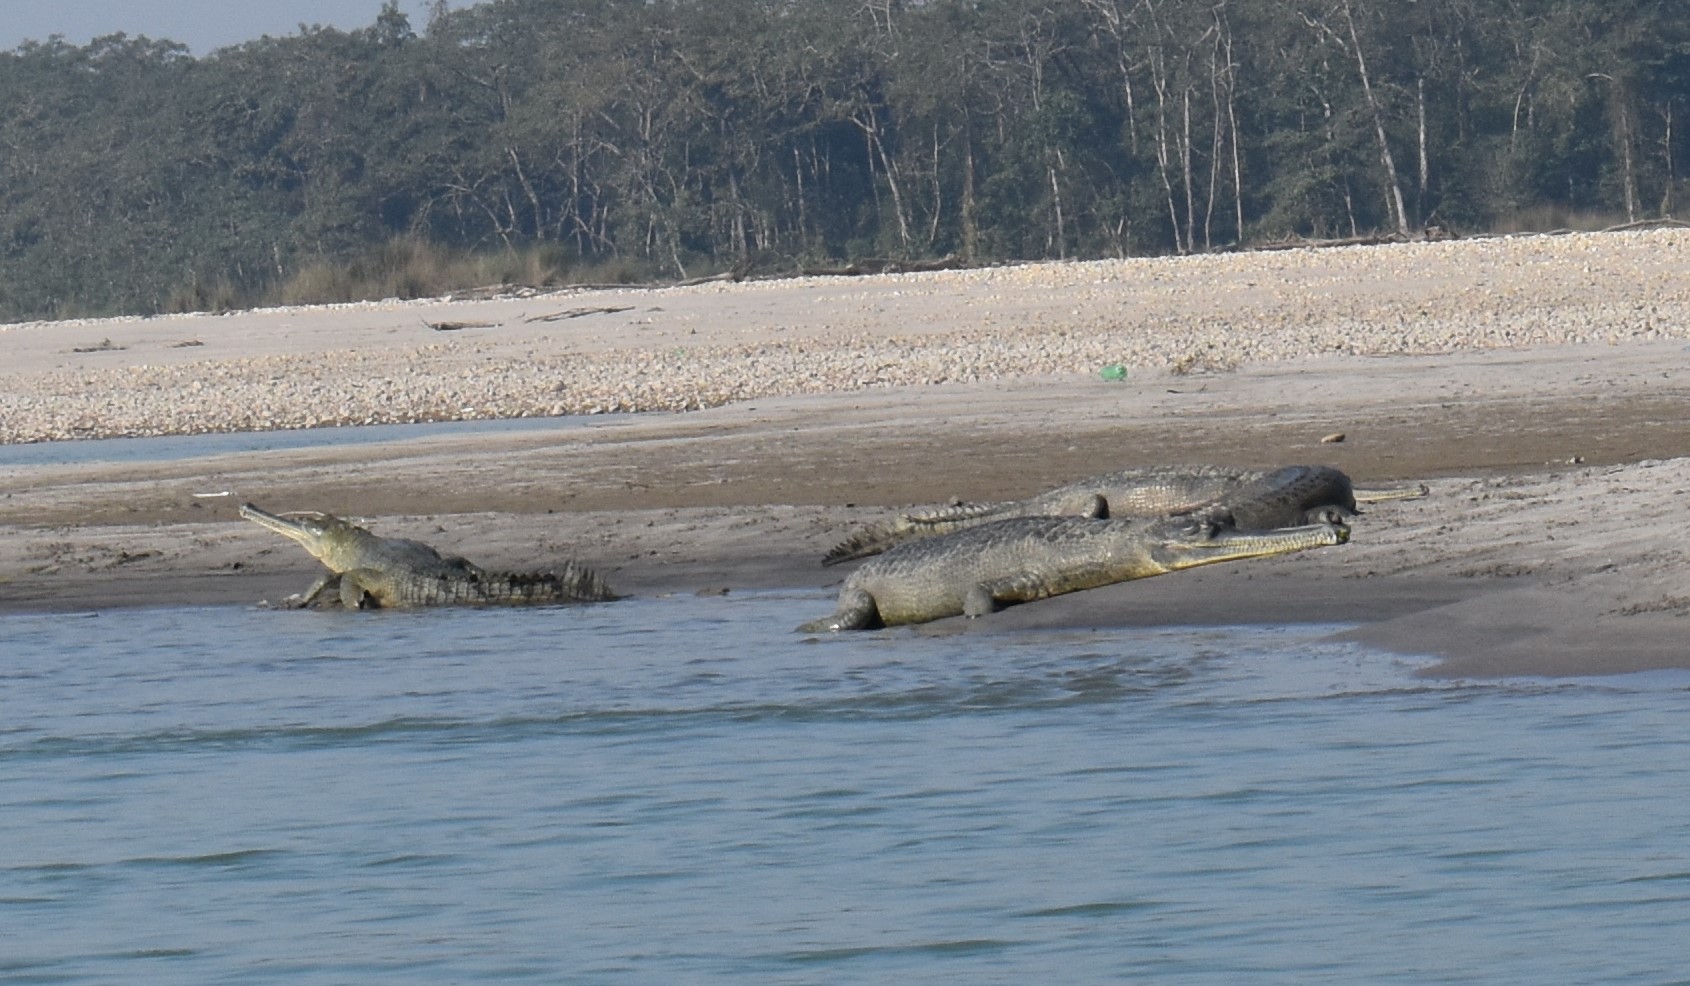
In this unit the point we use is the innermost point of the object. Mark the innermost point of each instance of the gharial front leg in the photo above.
(1079, 505)
(978, 602)
(355, 590)
(342, 587)
(991, 596)
(304, 600)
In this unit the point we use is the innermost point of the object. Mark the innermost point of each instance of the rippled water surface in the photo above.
(683, 790)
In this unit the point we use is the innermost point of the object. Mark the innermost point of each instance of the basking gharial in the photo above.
(367, 571)
(980, 569)
(1250, 499)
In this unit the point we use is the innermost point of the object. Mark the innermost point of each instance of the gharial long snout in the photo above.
(1226, 544)
(307, 529)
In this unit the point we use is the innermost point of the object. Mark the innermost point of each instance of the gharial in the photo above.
(975, 571)
(367, 571)
(1248, 499)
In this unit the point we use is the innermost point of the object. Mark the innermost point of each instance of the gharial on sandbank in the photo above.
(1248, 499)
(367, 571)
(975, 571)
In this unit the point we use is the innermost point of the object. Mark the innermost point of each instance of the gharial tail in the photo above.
(574, 584)
(876, 538)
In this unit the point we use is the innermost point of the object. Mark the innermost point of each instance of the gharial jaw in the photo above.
(324, 536)
(1204, 545)
(307, 529)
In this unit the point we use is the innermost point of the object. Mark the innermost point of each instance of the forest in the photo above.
(557, 141)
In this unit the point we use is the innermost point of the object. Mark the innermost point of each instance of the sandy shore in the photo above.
(1539, 386)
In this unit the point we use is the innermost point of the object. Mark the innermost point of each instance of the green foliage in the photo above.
(538, 142)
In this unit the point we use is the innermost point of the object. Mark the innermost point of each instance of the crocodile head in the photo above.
(337, 543)
(1190, 544)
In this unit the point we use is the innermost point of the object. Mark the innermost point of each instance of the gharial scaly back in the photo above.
(1253, 498)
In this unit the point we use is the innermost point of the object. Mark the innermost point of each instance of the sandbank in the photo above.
(1538, 387)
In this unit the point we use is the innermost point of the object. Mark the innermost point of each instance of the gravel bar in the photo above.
(679, 349)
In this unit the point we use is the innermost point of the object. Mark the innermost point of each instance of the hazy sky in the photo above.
(200, 24)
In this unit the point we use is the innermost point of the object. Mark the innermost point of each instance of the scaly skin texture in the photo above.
(1251, 499)
(983, 568)
(367, 571)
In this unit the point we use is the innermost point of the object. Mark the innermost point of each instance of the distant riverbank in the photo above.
(676, 349)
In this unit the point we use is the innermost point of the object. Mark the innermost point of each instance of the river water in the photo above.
(170, 448)
(683, 790)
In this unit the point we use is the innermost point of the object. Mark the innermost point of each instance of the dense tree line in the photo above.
(691, 136)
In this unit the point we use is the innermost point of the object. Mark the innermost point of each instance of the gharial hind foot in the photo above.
(856, 612)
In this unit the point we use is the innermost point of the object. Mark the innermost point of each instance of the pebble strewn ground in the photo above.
(1193, 313)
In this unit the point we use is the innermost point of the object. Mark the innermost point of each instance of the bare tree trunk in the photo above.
(1056, 206)
(1163, 152)
(1378, 123)
(1185, 169)
(938, 193)
(1232, 128)
(1629, 180)
(1109, 12)
(1217, 139)
(871, 133)
(1425, 167)
(1666, 145)
(880, 11)
(897, 195)
(970, 231)
(1522, 100)
(739, 236)
(464, 189)
(1617, 99)
(798, 175)
(1132, 114)
(510, 210)
(529, 193)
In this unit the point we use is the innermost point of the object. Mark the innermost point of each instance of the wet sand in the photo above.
(1553, 541)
